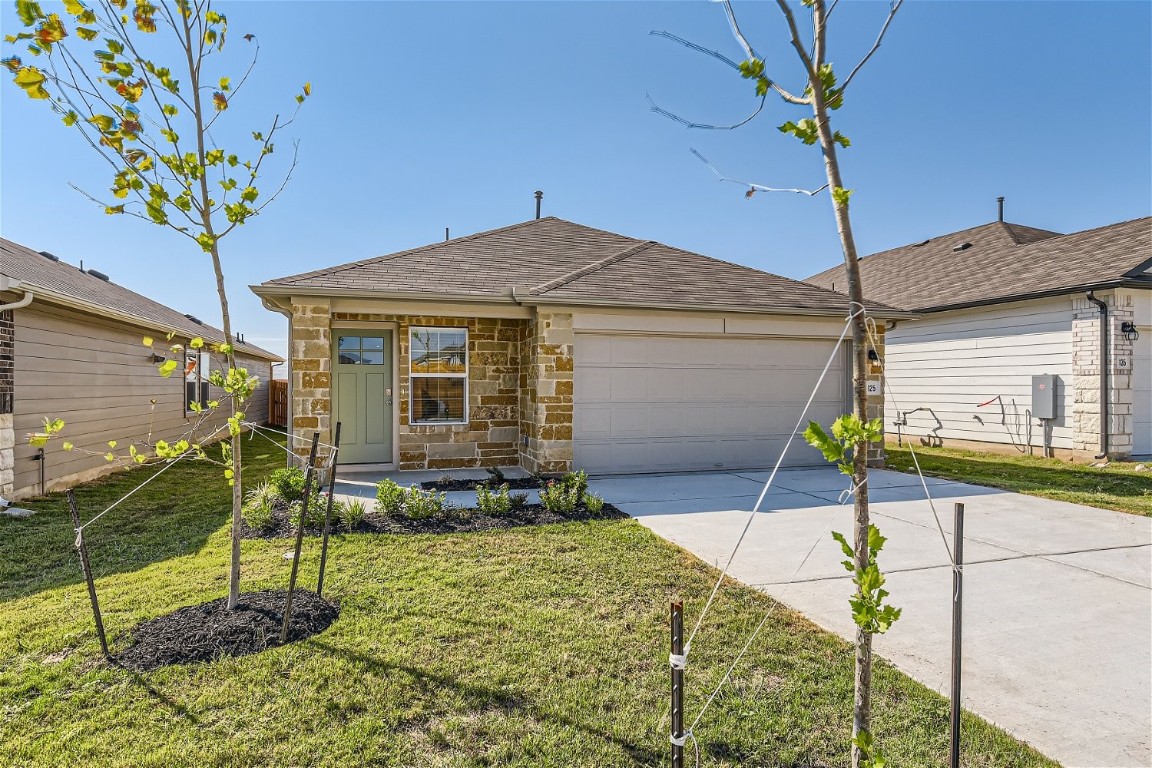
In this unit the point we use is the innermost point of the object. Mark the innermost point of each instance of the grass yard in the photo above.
(524, 647)
(1118, 486)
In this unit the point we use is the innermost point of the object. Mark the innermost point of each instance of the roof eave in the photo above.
(877, 312)
(72, 302)
(1126, 282)
(266, 291)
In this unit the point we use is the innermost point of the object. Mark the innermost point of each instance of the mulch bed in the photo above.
(513, 483)
(209, 631)
(454, 521)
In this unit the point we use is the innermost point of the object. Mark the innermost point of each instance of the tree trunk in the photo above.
(862, 709)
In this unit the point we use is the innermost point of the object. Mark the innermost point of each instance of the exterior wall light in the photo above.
(155, 358)
(1129, 331)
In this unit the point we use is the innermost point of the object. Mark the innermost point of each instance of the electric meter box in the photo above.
(1044, 396)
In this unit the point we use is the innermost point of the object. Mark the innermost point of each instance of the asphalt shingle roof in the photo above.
(563, 261)
(39, 272)
(1003, 261)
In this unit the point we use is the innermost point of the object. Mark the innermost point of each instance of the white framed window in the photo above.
(438, 373)
(197, 369)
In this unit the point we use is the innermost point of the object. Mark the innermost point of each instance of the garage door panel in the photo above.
(665, 403)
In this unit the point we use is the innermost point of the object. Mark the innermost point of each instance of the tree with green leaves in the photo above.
(822, 92)
(152, 123)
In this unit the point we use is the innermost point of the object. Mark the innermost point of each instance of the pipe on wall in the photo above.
(1105, 372)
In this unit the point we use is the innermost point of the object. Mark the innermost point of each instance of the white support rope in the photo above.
(269, 432)
(771, 477)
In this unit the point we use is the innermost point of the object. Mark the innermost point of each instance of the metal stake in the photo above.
(299, 538)
(328, 511)
(957, 616)
(87, 568)
(677, 685)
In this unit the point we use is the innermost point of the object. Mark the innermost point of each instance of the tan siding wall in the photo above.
(95, 375)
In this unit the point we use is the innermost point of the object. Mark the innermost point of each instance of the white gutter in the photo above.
(8, 284)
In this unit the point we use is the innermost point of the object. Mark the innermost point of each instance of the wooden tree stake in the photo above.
(87, 568)
(328, 511)
(299, 538)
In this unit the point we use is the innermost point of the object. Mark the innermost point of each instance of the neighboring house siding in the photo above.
(952, 362)
(95, 375)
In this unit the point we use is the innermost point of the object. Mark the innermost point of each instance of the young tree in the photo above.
(822, 93)
(152, 124)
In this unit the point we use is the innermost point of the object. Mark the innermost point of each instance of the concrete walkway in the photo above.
(1057, 596)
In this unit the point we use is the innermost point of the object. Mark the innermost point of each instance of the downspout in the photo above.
(1105, 372)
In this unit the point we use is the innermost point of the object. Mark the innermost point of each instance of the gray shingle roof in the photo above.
(562, 261)
(37, 272)
(1003, 262)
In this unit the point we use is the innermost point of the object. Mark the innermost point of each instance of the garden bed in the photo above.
(449, 484)
(448, 521)
(210, 631)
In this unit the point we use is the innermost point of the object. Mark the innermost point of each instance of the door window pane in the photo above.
(370, 357)
(372, 342)
(349, 342)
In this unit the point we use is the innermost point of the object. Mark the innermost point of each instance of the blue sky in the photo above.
(433, 115)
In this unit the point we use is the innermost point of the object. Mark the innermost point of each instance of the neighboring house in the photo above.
(71, 348)
(552, 345)
(1001, 303)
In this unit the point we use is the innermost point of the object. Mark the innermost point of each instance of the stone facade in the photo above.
(875, 379)
(1087, 370)
(311, 371)
(546, 404)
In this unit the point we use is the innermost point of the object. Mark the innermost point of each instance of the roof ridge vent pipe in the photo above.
(1105, 372)
(539, 197)
(1000, 206)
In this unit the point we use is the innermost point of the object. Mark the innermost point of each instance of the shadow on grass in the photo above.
(173, 516)
(481, 698)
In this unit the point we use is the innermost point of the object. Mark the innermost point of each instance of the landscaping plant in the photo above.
(389, 498)
(349, 513)
(260, 505)
(421, 505)
(560, 497)
(152, 121)
(495, 503)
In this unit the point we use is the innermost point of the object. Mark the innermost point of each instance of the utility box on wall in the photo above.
(1044, 403)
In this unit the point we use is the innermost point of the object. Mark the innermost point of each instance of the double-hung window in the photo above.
(438, 369)
(197, 368)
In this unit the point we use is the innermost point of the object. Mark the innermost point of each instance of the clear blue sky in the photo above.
(434, 115)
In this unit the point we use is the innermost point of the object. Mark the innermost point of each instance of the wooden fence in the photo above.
(278, 403)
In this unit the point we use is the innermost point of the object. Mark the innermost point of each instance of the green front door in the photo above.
(362, 395)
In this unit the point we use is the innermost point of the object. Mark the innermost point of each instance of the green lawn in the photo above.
(1117, 486)
(526, 647)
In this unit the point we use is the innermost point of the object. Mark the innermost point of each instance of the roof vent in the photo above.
(194, 319)
(49, 256)
(962, 247)
(922, 242)
(98, 275)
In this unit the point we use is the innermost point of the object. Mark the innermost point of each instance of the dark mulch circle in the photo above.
(513, 483)
(449, 521)
(210, 631)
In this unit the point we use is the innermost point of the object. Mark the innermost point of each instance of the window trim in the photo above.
(203, 391)
(412, 420)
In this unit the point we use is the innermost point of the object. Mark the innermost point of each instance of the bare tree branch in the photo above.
(748, 50)
(791, 19)
(753, 188)
(672, 116)
(876, 46)
(695, 47)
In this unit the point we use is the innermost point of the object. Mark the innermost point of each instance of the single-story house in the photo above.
(552, 346)
(1002, 303)
(71, 348)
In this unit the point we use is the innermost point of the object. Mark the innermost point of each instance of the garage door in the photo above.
(673, 403)
(1142, 394)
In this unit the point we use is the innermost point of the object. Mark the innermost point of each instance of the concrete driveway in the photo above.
(1057, 596)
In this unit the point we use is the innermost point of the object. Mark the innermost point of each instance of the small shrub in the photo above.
(421, 505)
(559, 497)
(289, 483)
(497, 475)
(389, 498)
(350, 513)
(495, 503)
(518, 500)
(594, 504)
(317, 506)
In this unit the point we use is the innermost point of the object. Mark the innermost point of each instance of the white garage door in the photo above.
(1142, 394)
(668, 403)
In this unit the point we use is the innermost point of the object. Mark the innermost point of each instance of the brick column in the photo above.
(875, 374)
(546, 412)
(7, 397)
(1087, 372)
(311, 373)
